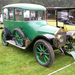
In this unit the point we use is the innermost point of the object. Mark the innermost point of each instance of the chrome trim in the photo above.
(60, 32)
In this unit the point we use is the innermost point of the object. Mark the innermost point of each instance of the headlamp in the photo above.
(72, 35)
(60, 38)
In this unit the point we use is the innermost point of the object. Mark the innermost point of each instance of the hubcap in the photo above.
(41, 53)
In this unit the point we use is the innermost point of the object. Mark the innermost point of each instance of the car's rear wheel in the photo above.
(3, 36)
(43, 52)
(19, 37)
(68, 48)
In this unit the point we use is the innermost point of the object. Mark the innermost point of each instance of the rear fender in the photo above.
(7, 33)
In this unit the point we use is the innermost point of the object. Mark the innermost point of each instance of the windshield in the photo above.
(30, 15)
(66, 15)
(72, 15)
(62, 14)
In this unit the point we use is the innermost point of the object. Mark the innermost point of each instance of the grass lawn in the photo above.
(1, 25)
(15, 61)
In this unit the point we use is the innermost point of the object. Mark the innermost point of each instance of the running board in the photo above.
(73, 54)
(13, 43)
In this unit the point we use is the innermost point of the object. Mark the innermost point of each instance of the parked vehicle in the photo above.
(25, 25)
(1, 19)
(63, 17)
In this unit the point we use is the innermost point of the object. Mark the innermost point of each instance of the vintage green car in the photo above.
(63, 17)
(25, 26)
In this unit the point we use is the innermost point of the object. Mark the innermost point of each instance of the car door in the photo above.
(11, 19)
(18, 18)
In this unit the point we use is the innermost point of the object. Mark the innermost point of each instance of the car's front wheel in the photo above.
(43, 52)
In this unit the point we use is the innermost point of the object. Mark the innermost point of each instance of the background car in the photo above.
(1, 19)
(63, 17)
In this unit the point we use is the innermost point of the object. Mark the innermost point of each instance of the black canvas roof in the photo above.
(61, 8)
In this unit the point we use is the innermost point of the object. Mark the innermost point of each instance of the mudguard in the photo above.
(7, 33)
(69, 32)
(46, 37)
(49, 36)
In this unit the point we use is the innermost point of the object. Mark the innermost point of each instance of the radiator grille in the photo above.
(57, 43)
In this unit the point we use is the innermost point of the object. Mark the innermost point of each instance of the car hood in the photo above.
(41, 27)
(44, 28)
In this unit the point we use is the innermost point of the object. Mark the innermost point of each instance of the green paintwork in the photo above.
(46, 29)
(42, 53)
(31, 29)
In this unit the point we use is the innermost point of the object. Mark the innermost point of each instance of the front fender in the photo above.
(69, 35)
(47, 37)
(69, 32)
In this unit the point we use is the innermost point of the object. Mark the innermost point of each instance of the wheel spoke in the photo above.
(4, 38)
(20, 42)
(46, 53)
(38, 52)
(39, 56)
(45, 49)
(68, 48)
(38, 49)
(46, 57)
(16, 34)
(18, 38)
(42, 58)
(73, 43)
